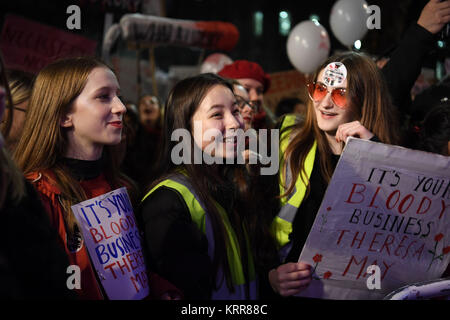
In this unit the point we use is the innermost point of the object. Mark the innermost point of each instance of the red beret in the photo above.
(242, 69)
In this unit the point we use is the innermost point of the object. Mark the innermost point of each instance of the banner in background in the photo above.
(30, 46)
(147, 30)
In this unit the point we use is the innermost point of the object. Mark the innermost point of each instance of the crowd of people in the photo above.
(213, 230)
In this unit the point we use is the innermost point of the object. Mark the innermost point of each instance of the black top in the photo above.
(405, 65)
(84, 169)
(176, 249)
(32, 263)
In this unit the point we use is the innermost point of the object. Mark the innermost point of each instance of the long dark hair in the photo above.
(207, 180)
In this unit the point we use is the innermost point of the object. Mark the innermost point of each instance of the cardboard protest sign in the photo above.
(387, 206)
(111, 235)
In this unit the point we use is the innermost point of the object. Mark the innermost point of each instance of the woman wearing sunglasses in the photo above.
(348, 97)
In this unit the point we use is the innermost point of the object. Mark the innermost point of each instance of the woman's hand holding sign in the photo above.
(352, 129)
(290, 278)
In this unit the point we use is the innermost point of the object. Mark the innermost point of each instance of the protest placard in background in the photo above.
(387, 206)
(111, 235)
(29, 46)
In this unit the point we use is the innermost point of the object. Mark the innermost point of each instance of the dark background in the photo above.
(269, 49)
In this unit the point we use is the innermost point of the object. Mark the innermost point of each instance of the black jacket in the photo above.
(405, 65)
(32, 263)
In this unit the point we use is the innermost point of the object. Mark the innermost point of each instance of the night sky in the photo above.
(269, 49)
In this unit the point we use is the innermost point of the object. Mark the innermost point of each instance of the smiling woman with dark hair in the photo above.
(194, 231)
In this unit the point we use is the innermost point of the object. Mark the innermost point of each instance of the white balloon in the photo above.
(308, 45)
(215, 62)
(348, 20)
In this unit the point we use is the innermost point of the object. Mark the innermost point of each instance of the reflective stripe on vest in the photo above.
(180, 183)
(282, 225)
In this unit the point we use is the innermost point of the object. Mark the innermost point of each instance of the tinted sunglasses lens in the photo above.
(317, 91)
(339, 97)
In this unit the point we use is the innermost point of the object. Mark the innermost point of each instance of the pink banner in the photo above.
(29, 46)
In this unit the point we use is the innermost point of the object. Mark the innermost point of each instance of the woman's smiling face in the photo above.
(328, 115)
(215, 123)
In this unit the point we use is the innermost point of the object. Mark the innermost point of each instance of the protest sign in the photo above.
(151, 30)
(387, 206)
(111, 235)
(28, 45)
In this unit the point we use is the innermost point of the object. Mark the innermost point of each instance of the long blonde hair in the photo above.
(43, 143)
(20, 84)
(369, 100)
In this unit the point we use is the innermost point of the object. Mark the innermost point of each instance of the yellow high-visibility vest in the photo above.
(282, 224)
(181, 183)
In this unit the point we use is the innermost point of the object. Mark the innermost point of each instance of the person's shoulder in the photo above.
(28, 212)
(163, 196)
(164, 203)
(288, 120)
(44, 182)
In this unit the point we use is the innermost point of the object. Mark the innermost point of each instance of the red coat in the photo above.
(49, 193)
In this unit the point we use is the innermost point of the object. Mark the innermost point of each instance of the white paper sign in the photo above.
(111, 235)
(387, 206)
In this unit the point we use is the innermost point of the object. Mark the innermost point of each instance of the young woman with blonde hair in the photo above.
(74, 120)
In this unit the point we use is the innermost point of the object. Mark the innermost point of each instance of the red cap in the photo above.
(243, 69)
